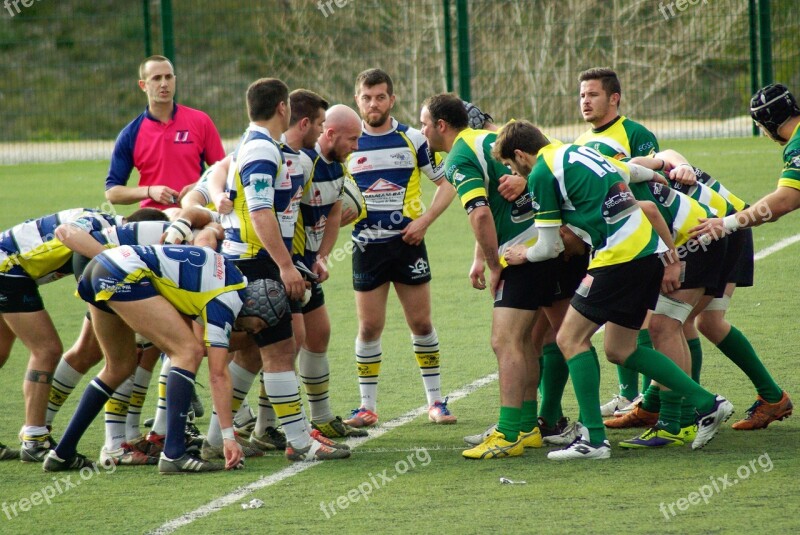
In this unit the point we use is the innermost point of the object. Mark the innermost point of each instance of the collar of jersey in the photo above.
(395, 124)
(608, 124)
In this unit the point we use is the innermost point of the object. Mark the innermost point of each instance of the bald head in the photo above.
(342, 130)
(341, 116)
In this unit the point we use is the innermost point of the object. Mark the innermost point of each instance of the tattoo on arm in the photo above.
(38, 376)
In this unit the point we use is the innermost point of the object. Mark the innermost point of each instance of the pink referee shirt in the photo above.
(170, 154)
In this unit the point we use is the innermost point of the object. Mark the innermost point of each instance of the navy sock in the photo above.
(180, 385)
(92, 402)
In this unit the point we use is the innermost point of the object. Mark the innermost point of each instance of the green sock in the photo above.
(667, 373)
(737, 347)
(528, 416)
(696, 351)
(583, 368)
(509, 422)
(651, 400)
(554, 378)
(643, 340)
(669, 419)
(688, 413)
(628, 382)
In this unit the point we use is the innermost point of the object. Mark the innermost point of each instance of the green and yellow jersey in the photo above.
(578, 186)
(790, 177)
(621, 138)
(681, 212)
(475, 174)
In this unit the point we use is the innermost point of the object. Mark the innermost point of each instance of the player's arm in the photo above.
(548, 245)
(672, 265)
(414, 232)
(217, 178)
(217, 316)
(478, 267)
(78, 240)
(482, 222)
(770, 208)
(512, 186)
(329, 236)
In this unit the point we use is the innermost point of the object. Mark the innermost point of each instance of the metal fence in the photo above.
(68, 75)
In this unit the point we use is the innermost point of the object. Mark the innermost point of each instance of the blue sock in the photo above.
(92, 402)
(180, 385)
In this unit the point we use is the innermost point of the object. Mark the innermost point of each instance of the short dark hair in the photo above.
(608, 79)
(146, 214)
(263, 97)
(373, 77)
(304, 104)
(518, 135)
(157, 59)
(449, 108)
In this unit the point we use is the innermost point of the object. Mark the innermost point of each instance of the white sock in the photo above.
(241, 381)
(426, 351)
(314, 371)
(141, 382)
(284, 394)
(64, 381)
(266, 414)
(244, 414)
(368, 358)
(116, 413)
(160, 423)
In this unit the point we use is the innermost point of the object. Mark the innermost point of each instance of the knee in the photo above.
(567, 343)
(616, 355)
(421, 326)
(46, 356)
(370, 330)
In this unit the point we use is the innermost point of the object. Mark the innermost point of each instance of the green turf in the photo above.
(446, 494)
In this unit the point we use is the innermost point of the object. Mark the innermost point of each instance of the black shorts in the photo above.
(527, 286)
(570, 273)
(621, 294)
(317, 298)
(704, 264)
(736, 243)
(265, 268)
(79, 263)
(742, 273)
(19, 294)
(375, 264)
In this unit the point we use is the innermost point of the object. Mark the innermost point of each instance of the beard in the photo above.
(380, 121)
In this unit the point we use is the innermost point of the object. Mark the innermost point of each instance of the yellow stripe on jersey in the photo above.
(789, 183)
(41, 260)
(412, 209)
(625, 244)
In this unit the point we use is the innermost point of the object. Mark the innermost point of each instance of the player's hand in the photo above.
(180, 231)
(516, 254)
(684, 174)
(573, 245)
(223, 203)
(415, 231)
(233, 454)
(320, 268)
(512, 186)
(348, 216)
(476, 275)
(672, 278)
(494, 279)
(708, 230)
(293, 282)
(163, 194)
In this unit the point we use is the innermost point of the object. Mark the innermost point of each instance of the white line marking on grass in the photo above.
(296, 468)
(775, 247)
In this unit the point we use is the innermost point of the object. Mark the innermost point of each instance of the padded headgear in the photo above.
(476, 117)
(265, 299)
(772, 106)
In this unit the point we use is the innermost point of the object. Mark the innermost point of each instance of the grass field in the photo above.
(442, 493)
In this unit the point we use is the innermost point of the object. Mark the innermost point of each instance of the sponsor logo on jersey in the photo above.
(360, 165)
(458, 177)
(182, 136)
(219, 268)
(383, 193)
(401, 159)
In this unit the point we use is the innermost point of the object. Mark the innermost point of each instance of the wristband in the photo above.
(663, 164)
(227, 434)
(731, 223)
(148, 193)
(180, 229)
